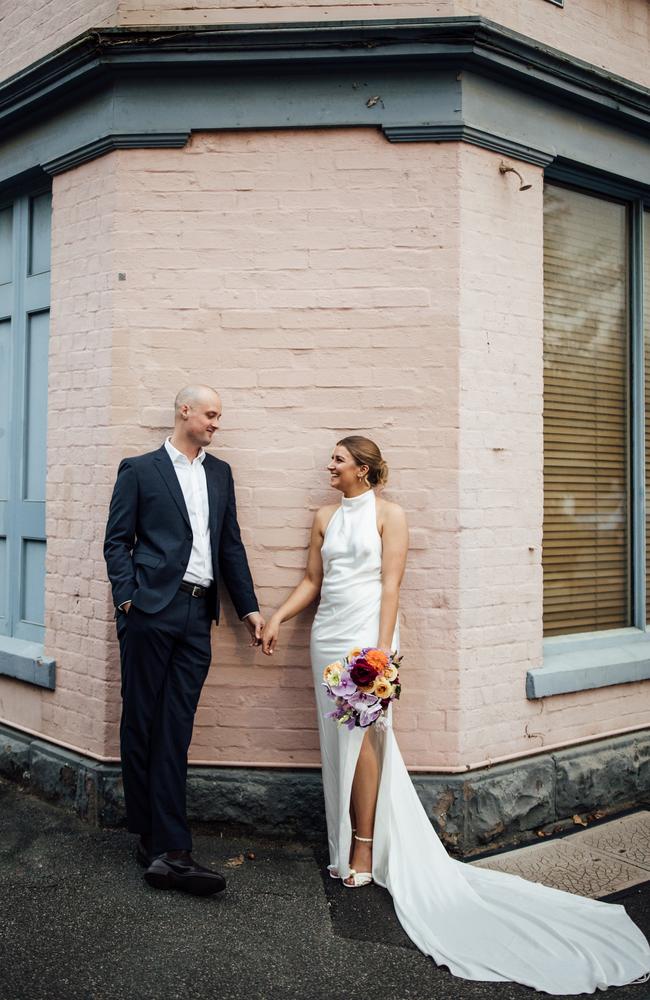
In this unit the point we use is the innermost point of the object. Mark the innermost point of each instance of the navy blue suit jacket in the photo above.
(149, 537)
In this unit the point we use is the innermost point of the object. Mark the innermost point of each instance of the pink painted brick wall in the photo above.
(30, 29)
(312, 277)
(80, 458)
(501, 462)
(80, 467)
(326, 281)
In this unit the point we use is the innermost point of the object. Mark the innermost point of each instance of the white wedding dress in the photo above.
(483, 925)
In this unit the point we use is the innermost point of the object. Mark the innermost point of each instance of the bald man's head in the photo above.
(197, 415)
(193, 396)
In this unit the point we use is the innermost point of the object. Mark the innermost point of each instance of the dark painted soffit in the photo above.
(96, 57)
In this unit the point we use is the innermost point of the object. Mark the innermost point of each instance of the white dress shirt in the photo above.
(192, 481)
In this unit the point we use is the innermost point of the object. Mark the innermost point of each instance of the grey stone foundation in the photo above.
(474, 812)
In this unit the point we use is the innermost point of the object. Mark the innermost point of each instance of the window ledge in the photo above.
(25, 661)
(590, 660)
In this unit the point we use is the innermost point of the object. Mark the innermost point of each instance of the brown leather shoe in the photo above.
(181, 871)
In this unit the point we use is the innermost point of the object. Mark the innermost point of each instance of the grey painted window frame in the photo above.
(21, 647)
(589, 660)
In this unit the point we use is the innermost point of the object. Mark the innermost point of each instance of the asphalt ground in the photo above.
(78, 922)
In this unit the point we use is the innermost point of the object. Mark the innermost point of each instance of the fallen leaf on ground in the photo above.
(578, 820)
(235, 862)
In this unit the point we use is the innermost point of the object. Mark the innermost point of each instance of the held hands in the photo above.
(255, 625)
(270, 636)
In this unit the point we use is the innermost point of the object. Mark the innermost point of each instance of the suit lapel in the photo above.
(211, 478)
(165, 467)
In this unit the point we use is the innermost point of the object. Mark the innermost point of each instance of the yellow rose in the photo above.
(389, 672)
(354, 652)
(382, 688)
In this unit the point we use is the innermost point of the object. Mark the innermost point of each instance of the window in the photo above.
(596, 380)
(24, 330)
(586, 548)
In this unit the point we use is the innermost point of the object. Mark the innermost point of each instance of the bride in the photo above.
(484, 925)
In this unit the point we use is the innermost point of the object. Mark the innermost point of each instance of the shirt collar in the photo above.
(178, 458)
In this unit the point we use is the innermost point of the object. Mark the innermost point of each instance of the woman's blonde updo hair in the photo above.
(365, 452)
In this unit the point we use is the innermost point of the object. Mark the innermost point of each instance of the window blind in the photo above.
(586, 559)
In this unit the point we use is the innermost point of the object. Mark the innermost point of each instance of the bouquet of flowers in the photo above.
(362, 684)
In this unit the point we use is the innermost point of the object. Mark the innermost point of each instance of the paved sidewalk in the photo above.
(77, 922)
(598, 861)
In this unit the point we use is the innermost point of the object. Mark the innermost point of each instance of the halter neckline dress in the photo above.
(483, 925)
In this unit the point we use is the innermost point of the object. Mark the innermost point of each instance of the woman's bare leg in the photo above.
(353, 824)
(364, 802)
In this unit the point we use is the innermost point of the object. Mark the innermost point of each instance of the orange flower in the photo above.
(377, 659)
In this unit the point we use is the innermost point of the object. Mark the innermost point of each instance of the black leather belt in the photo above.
(194, 589)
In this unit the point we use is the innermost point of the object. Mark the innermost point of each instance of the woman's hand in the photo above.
(270, 635)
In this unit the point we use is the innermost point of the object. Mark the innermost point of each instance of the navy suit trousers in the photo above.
(165, 658)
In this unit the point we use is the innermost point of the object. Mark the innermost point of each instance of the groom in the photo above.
(172, 536)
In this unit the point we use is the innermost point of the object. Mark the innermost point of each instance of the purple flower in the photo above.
(368, 715)
(344, 714)
(360, 700)
(346, 686)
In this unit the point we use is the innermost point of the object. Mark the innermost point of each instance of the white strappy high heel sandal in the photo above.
(359, 879)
